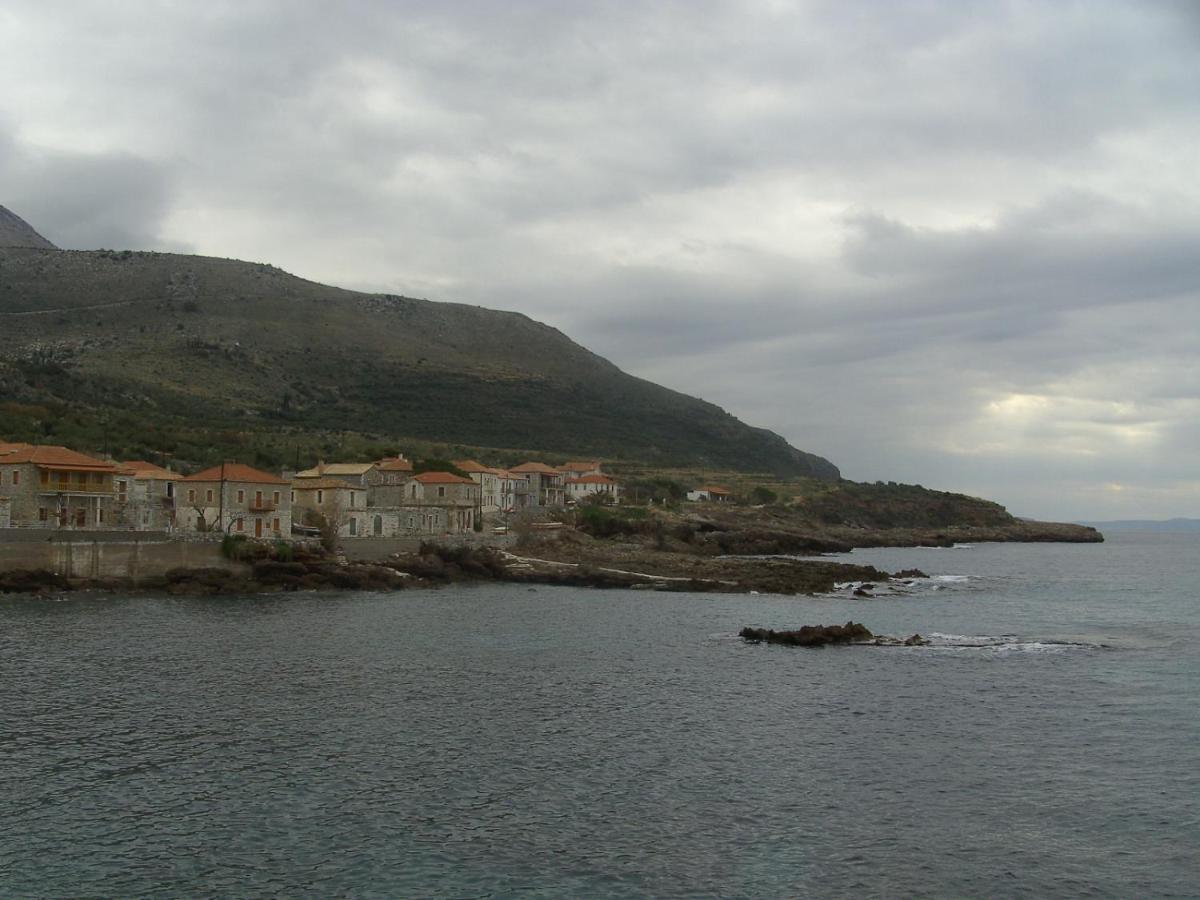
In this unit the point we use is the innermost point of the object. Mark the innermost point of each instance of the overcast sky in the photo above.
(951, 243)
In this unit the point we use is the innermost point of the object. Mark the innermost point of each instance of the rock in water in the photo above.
(811, 635)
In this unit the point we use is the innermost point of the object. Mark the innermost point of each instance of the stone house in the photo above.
(339, 502)
(145, 496)
(545, 483)
(359, 475)
(488, 480)
(393, 470)
(456, 496)
(512, 491)
(592, 485)
(236, 499)
(53, 487)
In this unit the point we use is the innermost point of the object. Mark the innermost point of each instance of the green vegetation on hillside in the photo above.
(202, 358)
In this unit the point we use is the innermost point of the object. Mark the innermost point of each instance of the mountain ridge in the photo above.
(226, 344)
(16, 232)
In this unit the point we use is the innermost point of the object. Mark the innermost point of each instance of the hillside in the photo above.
(150, 351)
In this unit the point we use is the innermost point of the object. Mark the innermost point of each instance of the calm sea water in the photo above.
(501, 741)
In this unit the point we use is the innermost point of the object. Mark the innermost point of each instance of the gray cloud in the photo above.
(948, 242)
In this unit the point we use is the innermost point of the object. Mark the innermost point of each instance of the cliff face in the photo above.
(221, 344)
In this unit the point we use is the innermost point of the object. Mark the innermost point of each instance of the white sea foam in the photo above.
(1003, 643)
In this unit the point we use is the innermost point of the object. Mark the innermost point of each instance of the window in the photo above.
(275, 498)
(352, 498)
(42, 517)
(441, 491)
(100, 516)
(320, 496)
(414, 490)
(293, 496)
(208, 495)
(191, 496)
(121, 487)
(146, 517)
(241, 497)
(171, 489)
(16, 477)
(353, 527)
(275, 525)
(241, 524)
(45, 476)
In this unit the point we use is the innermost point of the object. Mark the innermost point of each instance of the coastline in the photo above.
(683, 559)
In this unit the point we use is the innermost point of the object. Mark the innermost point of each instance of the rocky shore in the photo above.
(742, 550)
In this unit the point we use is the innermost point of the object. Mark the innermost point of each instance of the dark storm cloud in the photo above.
(949, 242)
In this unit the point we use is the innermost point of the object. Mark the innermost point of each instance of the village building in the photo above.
(359, 475)
(145, 496)
(393, 470)
(432, 503)
(597, 486)
(580, 468)
(235, 499)
(512, 491)
(545, 484)
(488, 480)
(338, 503)
(53, 487)
(713, 493)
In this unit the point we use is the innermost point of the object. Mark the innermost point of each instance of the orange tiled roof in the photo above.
(6, 448)
(591, 479)
(531, 467)
(147, 470)
(441, 478)
(470, 465)
(236, 472)
(715, 489)
(58, 458)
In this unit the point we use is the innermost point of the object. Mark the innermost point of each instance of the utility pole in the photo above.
(221, 499)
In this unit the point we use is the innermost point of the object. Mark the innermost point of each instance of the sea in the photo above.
(507, 741)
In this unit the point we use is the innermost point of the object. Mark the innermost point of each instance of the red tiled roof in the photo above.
(6, 448)
(714, 489)
(58, 458)
(591, 479)
(236, 472)
(441, 478)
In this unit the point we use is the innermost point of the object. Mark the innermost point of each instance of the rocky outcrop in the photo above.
(812, 635)
(822, 635)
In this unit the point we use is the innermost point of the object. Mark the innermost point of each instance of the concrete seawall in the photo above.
(107, 554)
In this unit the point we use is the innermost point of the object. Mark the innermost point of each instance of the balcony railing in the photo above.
(74, 487)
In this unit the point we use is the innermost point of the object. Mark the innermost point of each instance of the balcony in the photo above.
(260, 506)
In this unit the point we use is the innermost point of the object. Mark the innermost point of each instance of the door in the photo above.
(378, 524)
(81, 517)
(258, 528)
